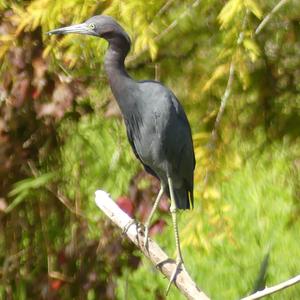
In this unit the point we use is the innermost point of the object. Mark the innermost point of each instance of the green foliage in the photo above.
(259, 199)
(26, 187)
(56, 110)
(102, 149)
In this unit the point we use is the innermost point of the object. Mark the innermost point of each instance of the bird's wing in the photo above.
(182, 116)
(181, 153)
(131, 142)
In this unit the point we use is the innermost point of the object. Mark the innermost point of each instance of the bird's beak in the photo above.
(78, 28)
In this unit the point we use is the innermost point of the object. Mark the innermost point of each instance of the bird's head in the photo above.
(101, 26)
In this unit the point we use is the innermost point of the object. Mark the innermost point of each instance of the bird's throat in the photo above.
(119, 79)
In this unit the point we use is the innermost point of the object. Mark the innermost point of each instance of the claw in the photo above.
(178, 268)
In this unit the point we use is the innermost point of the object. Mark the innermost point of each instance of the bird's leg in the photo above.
(173, 210)
(147, 224)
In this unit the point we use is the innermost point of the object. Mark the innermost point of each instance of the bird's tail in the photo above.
(184, 198)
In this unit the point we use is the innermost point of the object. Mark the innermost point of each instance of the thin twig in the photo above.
(231, 72)
(228, 87)
(163, 9)
(269, 16)
(271, 290)
(223, 103)
(157, 256)
(175, 22)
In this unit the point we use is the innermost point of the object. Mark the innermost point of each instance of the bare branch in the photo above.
(163, 9)
(175, 22)
(269, 16)
(228, 87)
(271, 290)
(156, 255)
(223, 103)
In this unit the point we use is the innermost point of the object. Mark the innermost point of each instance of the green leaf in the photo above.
(243, 72)
(229, 11)
(252, 48)
(22, 196)
(25, 187)
(30, 183)
(254, 8)
(219, 72)
(152, 49)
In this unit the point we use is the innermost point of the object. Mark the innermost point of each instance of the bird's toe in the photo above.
(127, 226)
(177, 270)
(146, 236)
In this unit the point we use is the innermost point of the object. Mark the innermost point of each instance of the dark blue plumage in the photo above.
(157, 127)
(160, 136)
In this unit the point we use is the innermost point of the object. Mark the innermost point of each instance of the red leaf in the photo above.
(126, 205)
(56, 284)
(157, 227)
(35, 94)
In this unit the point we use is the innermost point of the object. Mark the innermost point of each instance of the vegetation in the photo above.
(61, 138)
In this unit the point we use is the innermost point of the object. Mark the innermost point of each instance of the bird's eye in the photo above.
(92, 26)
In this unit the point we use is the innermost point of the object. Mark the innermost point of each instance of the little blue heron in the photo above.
(156, 124)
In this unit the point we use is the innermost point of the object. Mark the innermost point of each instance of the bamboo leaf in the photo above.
(19, 199)
(30, 183)
(152, 49)
(253, 49)
(254, 7)
(219, 72)
(229, 11)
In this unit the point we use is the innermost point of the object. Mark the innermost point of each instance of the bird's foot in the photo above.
(127, 226)
(177, 270)
(146, 236)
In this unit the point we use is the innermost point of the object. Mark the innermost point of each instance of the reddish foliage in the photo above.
(126, 205)
(143, 198)
(157, 227)
(56, 284)
(32, 101)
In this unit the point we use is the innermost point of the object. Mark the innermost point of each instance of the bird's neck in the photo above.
(119, 80)
(114, 64)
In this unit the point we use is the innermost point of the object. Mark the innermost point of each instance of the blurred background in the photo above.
(62, 137)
